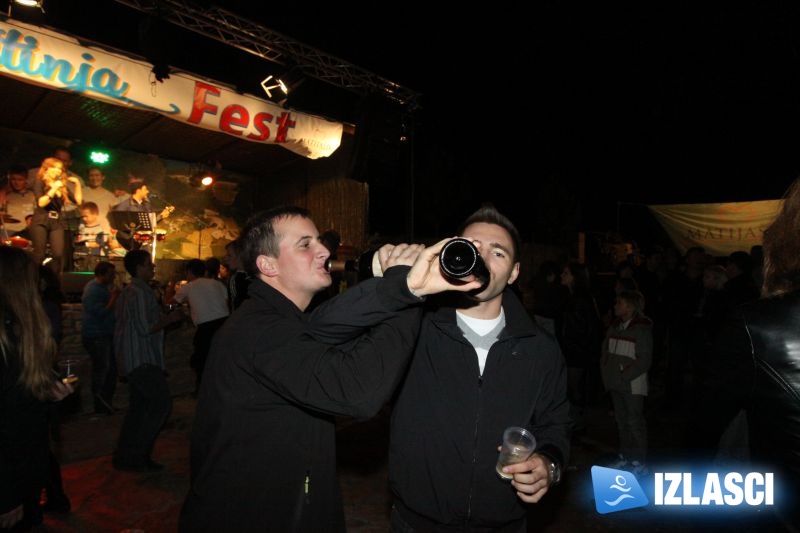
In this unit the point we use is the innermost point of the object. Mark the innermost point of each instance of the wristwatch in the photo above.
(553, 472)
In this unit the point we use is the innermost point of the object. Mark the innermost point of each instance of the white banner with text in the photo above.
(47, 58)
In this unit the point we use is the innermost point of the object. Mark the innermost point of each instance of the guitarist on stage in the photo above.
(138, 202)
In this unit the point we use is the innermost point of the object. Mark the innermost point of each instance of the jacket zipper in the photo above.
(474, 449)
(303, 502)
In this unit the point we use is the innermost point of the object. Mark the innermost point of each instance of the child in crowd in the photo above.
(627, 355)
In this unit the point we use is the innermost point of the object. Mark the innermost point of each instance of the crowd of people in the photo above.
(458, 361)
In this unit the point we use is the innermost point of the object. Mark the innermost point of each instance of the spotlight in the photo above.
(31, 3)
(202, 180)
(277, 84)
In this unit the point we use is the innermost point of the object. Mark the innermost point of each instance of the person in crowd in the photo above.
(626, 357)
(212, 266)
(54, 190)
(263, 445)
(239, 280)
(579, 336)
(683, 292)
(27, 385)
(97, 332)
(480, 366)
(758, 368)
(17, 200)
(740, 286)
(139, 346)
(549, 296)
(208, 305)
(95, 192)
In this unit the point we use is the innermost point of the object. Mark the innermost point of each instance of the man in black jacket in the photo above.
(479, 367)
(263, 452)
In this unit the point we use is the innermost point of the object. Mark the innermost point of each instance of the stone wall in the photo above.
(177, 350)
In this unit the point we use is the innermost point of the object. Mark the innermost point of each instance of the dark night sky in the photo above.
(590, 106)
(595, 105)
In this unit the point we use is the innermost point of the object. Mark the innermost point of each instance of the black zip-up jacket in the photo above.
(263, 452)
(449, 420)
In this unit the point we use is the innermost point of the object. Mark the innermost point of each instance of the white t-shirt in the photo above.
(208, 299)
(104, 199)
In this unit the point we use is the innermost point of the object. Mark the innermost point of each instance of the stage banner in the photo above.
(47, 58)
(719, 228)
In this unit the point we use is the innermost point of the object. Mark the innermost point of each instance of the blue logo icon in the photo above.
(616, 490)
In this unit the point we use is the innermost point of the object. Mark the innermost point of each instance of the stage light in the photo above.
(202, 180)
(99, 157)
(31, 3)
(276, 83)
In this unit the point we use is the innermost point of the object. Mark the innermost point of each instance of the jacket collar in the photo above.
(518, 323)
(271, 297)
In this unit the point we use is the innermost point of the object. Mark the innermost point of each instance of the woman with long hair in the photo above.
(758, 369)
(53, 190)
(27, 384)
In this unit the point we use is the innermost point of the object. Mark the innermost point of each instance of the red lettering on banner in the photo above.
(284, 123)
(260, 122)
(235, 118)
(234, 115)
(199, 104)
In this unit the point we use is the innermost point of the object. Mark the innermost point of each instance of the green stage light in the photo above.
(99, 158)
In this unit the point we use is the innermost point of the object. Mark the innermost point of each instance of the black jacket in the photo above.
(263, 451)
(449, 420)
(758, 369)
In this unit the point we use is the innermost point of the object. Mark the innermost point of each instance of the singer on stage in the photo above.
(53, 190)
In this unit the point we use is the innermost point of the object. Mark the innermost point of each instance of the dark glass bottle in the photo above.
(459, 258)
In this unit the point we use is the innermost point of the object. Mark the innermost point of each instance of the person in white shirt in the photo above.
(95, 192)
(208, 306)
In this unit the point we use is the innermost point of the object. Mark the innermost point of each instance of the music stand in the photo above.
(133, 221)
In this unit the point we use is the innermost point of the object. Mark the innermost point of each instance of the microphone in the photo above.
(153, 195)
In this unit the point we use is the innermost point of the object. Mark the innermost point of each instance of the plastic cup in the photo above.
(68, 370)
(518, 445)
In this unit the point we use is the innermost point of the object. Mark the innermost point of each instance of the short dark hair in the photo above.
(488, 214)
(135, 185)
(102, 268)
(196, 267)
(18, 170)
(135, 259)
(259, 238)
(212, 265)
(742, 260)
(91, 207)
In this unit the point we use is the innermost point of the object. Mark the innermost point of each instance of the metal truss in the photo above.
(248, 36)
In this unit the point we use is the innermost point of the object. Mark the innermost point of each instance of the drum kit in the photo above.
(13, 240)
(146, 237)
